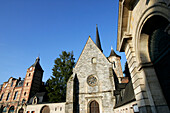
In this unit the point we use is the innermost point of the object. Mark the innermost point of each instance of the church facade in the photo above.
(97, 84)
(91, 87)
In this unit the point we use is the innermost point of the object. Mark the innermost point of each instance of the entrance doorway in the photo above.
(94, 107)
(11, 110)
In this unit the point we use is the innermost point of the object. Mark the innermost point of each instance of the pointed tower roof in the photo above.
(98, 44)
(112, 53)
(37, 64)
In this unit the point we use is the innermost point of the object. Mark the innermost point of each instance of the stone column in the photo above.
(138, 80)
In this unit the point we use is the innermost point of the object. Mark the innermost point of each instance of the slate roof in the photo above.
(37, 64)
(41, 97)
(20, 83)
(128, 95)
(112, 53)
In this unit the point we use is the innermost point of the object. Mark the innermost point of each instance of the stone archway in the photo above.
(45, 109)
(21, 110)
(11, 109)
(94, 107)
(4, 110)
(152, 56)
(159, 50)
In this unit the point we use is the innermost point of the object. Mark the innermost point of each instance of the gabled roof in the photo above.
(128, 95)
(89, 39)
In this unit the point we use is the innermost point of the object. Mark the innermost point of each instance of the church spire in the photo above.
(98, 44)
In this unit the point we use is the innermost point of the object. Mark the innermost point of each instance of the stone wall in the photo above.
(102, 90)
(54, 107)
(134, 14)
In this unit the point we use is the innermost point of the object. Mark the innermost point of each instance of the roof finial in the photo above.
(111, 48)
(98, 44)
(112, 53)
(38, 58)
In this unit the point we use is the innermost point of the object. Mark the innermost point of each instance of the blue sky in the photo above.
(45, 28)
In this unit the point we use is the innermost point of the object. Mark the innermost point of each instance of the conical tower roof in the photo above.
(98, 44)
(112, 53)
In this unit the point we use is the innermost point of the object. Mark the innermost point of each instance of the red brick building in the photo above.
(15, 93)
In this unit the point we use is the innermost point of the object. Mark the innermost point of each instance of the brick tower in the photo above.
(33, 81)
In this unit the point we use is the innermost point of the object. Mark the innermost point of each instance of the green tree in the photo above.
(62, 70)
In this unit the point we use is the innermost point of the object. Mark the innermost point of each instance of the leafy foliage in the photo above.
(62, 70)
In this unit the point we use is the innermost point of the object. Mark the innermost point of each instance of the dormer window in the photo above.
(23, 101)
(34, 100)
(19, 83)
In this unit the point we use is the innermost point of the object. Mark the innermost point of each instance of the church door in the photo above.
(94, 107)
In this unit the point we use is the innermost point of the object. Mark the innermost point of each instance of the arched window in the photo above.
(1, 96)
(11, 84)
(114, 64)
(15, 96)
(25, 94)
(11, 109)
(94, 107)
(23, 101)
(29, 74)
(94, 60)
(7, 96)
(21, 110)
(35, 100)
(45, 109)
(4, 110)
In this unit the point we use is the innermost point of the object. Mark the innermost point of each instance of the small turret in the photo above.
(115, 60)
(112, 53)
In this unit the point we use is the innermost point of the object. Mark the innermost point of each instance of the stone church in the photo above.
(97, 84)
(91, 87)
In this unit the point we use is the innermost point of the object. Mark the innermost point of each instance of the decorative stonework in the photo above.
(91, 80)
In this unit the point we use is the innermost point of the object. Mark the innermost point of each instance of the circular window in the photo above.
(91, 80)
